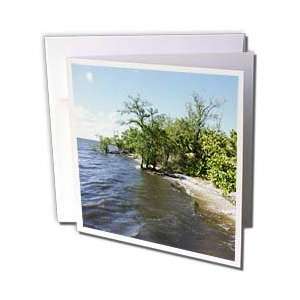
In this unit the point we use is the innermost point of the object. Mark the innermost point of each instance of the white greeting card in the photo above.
(153, 139)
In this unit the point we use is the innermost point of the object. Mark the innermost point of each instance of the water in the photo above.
(120, 198)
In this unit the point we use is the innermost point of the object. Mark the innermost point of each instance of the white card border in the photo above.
(237, 262)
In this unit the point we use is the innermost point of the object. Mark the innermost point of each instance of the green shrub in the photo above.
(189, 145)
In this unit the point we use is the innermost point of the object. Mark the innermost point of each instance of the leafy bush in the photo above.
(191, 145)
(104, 143)
(220, 159)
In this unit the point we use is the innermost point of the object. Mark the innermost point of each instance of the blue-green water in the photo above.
(120, 198)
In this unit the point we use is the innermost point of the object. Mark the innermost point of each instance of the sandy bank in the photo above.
(206, 192)
(211, 204)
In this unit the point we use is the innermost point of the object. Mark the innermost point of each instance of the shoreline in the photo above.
(210, 203)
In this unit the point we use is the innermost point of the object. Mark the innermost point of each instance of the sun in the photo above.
(89, 76)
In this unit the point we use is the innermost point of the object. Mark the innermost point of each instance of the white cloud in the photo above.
(88, 125)
(89, 76)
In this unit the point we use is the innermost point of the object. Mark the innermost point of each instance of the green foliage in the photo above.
(147, 136)
(220, 157)
(193, 145)
(104, 143)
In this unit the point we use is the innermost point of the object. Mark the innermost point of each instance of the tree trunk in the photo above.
(154, 165)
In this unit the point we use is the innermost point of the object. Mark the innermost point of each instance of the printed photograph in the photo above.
(157, 155)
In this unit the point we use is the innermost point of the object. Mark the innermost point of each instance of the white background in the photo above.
(39, 259)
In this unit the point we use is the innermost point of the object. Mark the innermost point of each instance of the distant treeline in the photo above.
(193, 145)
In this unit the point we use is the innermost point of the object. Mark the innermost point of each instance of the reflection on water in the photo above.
(118, 197)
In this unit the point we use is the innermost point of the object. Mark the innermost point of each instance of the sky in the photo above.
(100, 92)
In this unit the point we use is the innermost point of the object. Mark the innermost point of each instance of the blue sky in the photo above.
(99, 92)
